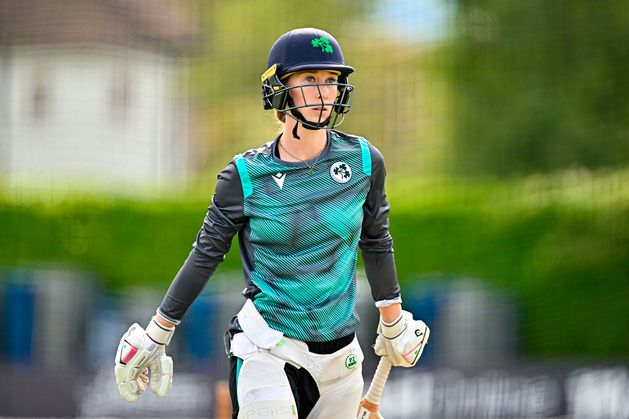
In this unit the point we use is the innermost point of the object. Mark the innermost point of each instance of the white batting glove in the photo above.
(403, 340)
(138, 353)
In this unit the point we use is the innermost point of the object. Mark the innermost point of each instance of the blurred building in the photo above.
(89, 93)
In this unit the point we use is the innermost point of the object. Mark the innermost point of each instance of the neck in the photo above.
(309, 146)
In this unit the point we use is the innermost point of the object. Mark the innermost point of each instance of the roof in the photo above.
(161, 24)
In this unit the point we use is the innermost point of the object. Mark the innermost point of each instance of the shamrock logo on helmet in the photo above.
(322, 42)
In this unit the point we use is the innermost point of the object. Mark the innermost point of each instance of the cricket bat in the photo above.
(369, 405)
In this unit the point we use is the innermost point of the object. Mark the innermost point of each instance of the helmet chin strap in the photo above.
(295, 135)
(298, 117)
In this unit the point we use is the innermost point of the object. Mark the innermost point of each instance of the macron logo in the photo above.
(279, 179)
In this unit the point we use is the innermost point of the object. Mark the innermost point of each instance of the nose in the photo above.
(326, 91)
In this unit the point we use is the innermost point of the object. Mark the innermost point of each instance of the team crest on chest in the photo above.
(341, 172)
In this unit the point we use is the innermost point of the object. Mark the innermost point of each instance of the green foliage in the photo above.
(394, 104)
(518, 87)
(126, 243)
(538, 85)
(559, 244)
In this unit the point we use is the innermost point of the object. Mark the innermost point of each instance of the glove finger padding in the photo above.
(137, 353)
(403, 342)
(129, 357)
(129, 387)
(162, 375)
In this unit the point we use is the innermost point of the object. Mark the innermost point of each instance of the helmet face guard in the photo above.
(306, 49)
(276, 95)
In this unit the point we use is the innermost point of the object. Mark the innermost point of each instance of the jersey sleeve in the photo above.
(375, 243)
(224, 218)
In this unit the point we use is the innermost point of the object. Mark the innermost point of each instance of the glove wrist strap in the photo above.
(159, 333)
(395, 328)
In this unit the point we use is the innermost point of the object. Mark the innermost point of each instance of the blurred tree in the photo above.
(538, 85)
(225, 75)
(395, 100)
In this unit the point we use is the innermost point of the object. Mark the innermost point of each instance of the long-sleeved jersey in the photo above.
(299, 226)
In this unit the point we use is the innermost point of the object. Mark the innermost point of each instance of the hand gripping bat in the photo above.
(368, 407)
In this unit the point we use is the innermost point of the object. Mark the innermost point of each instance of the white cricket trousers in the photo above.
(263, 389)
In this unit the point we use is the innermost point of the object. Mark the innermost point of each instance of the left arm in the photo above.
(376, 244)
(390, 313)
(400, 338)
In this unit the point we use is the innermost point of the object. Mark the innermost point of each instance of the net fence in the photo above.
(503, 126)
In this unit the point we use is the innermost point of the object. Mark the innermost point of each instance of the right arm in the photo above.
(224, 218)
(141, 351)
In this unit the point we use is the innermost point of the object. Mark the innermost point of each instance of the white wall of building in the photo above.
(4, 109)
(88, 116)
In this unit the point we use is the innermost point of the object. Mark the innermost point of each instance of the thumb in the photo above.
(162, 375)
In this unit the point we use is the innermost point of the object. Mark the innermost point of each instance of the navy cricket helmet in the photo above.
(306, 49)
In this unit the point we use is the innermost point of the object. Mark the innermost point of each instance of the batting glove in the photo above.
(403, 340)
(138, 353)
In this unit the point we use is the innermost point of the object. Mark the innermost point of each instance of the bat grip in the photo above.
(379, 380)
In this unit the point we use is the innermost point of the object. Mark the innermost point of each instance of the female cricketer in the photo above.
(301, 205)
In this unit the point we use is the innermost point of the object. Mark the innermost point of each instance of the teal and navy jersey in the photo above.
(300, 225)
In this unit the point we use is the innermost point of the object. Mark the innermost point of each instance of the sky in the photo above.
(414, 20)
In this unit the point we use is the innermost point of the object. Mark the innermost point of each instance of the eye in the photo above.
(332, 80)
(310, 79)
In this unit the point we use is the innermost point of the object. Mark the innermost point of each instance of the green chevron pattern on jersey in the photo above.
(304, 232)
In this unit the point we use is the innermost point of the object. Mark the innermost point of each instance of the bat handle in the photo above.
(379, 380)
